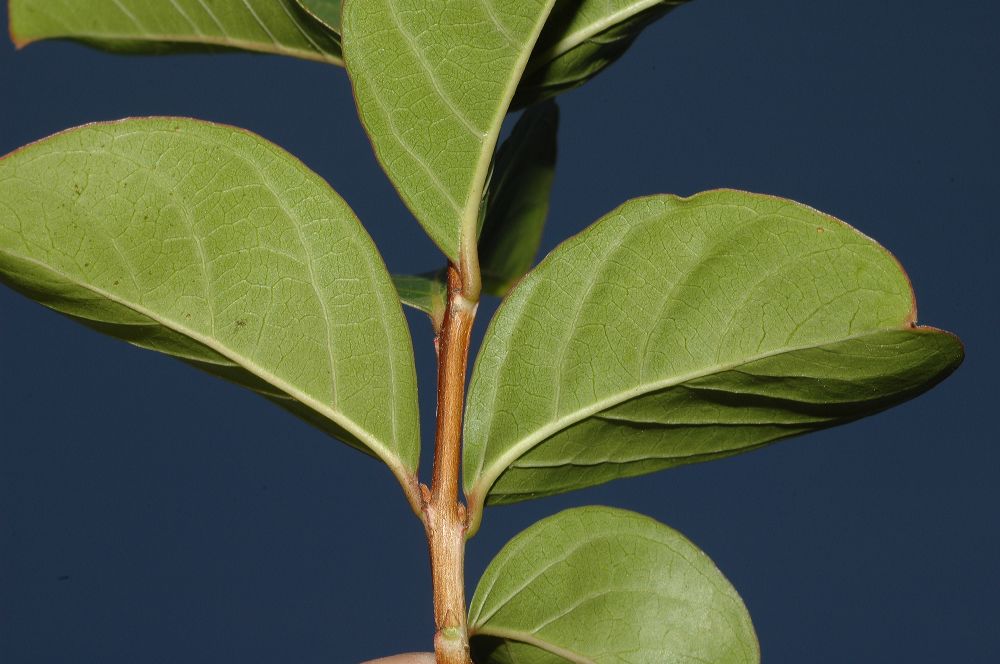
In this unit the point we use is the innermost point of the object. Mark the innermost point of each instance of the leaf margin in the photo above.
(465, 253)
(405, 475)
(477, 492)
(514, 548)
(163, 46)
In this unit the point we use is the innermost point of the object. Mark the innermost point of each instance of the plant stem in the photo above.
(444, 514)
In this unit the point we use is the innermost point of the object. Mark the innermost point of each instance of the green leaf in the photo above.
(678, 330)
(433, 80)
(425, 292)
(597, 585)
(518, 199)
(326, 12)
(581, 39)
(164, 26)
(210, 244)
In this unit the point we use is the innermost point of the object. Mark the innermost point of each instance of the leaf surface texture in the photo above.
(433, 80)
(679, 330)
(596, 585)
(210, 244)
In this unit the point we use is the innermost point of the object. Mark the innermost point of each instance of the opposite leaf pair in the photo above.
(682, 330)
(210, 244)
(173, 235)
(580, 38)
(671, 331)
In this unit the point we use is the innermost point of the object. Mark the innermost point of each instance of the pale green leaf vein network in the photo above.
(225, 352)
(433, 81)
(417, 157)
(185, 214)
(495, 20)
(314, 282)
(578, 307)
(603, 586)
(577, 545)
(309, 261)
(138, 188)
(432, 77)
(668, 293)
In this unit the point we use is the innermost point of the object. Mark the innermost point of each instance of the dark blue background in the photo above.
(150, 513)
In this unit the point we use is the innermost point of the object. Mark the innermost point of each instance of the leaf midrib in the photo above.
(346, 423)
(469, 223)
(488, 477)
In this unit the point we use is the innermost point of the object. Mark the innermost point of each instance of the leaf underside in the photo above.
(596, 585)
(579, 40)
(433, 80)
(279, 27)
(513, 214)
(682, 330)
(210, 244)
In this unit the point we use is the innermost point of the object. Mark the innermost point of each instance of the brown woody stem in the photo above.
(444, 514)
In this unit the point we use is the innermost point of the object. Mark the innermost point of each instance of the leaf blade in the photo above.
(664, 292)
(138, 26)
(597, 584)
(433, 81)
(661, 445)
(210, 244)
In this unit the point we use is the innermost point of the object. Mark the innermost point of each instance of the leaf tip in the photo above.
(956, 341)
(18, 41)
(16, 38)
